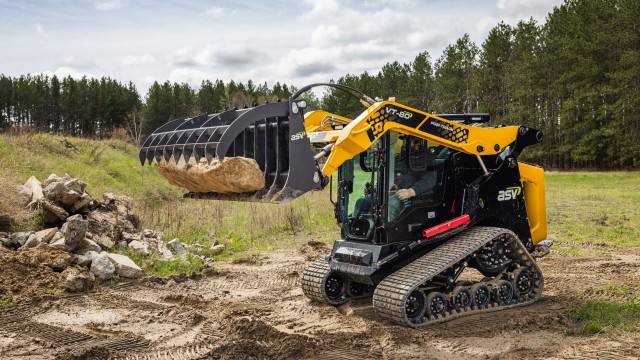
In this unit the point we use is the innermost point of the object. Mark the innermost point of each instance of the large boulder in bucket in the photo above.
(232, 175)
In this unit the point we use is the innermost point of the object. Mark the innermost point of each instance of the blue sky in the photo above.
(296, 42)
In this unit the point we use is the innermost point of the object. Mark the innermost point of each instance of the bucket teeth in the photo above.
(261, 133)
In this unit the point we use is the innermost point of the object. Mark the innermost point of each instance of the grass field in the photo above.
(595, 207)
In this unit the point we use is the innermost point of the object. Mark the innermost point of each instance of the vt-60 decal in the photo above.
(509, 194)
(392, 113)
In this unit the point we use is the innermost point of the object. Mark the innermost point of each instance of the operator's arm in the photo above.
(420, 187)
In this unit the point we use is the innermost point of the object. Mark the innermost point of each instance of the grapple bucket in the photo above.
(272, 134)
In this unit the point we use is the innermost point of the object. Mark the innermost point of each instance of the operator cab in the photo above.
(371, 206)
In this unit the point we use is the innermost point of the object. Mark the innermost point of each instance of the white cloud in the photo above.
(135, 60)
(77, 63)
(215, 11)
(40, 31)
(224, 54)
(64, 71)
(322, 8)
(109, 4)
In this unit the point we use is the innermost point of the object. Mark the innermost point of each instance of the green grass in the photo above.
(596, 207)
(6, 303)
(597, 317)
(582, 207)
(153, 264)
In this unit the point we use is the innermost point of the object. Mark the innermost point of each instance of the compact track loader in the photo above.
(438, 218)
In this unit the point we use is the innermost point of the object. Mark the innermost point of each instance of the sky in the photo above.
(297, 42)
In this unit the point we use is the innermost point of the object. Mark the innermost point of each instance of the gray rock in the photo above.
(125, 267)
(52, 212)
(92, 254)
(47, 234)
(121, 244)
(32, 241)
(54, 191)
(102, 267)
(86, 245)
(60, 244)
(24, 194)
(217, 249)
(148, 233)
(176, 247)
(74, 230)
(167, 255)
(20, 237)
(129, 237)
(36, 188)
(83, 260)
(9, 243)
(69, 197)
(77, 280)
(139, 246)
(76, 185)
(57, 236)
(50, 179)
(84, 200)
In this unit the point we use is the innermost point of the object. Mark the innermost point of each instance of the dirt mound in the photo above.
(26, 274)
(233, 175)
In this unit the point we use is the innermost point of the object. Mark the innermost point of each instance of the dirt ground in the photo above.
(243, 311)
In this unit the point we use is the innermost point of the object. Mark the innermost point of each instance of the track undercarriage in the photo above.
(428, 290)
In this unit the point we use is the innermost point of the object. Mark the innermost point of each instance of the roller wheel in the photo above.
(335, 287)
(416, 306)
(461, 297)
(523, 281)
(503, 292)
(436, 304)
(481, 295)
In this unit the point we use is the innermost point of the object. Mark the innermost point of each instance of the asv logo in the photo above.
(509, 194)
(298, 136)
(400, 114)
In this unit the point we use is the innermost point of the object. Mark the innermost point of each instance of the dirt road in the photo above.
(258, 311)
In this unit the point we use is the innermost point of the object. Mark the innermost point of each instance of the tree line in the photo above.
(576, 77)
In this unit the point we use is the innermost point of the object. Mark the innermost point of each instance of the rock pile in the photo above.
(82, 232)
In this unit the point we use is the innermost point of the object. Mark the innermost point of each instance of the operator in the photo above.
(409, 183)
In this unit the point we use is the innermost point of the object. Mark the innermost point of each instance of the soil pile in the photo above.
(232, 175)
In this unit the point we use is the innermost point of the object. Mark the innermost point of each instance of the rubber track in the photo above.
(390, 296)
(313, 279)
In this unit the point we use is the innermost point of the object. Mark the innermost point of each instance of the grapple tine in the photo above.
(271, 134)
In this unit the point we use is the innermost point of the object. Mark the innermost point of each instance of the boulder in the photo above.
(125, 267)
(60, 244)
(78, 280)
(74, 230)
(86, 245)
(70, 197)
(84, 200)
(20, 237)
(76, 185)
(32, 241)
(102, 267)
(167, 255)
(176, 247)
(129, 237)
(50, 179)
(83, 260)
(8, 241)
(139, 246)
(92, 254)
(36, 188)
(47, 234)
(54, 191)
(148, 233)
(121, 244)
(24, 194)
(52, 212)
